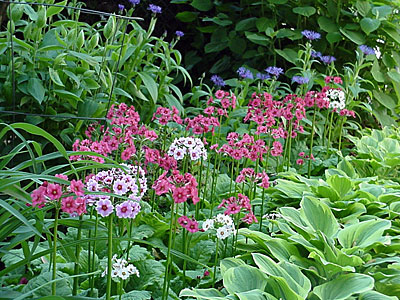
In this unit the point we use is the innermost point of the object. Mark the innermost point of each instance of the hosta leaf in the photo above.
(363, 234)
(243, 278)
(320, 216)
(344, 286)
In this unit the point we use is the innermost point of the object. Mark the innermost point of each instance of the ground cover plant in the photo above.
(254, 187)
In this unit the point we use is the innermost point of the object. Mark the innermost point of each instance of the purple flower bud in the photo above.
(311, 35)
(179, 33)
(274, 71)
(154, 9)
(367, 50)
(300, 79)
(245, 73)
(218, 81)
(134, 2)
(262, 76)
(327, 59)
(121, 7)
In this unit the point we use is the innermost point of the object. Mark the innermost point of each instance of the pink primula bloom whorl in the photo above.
(104, 207)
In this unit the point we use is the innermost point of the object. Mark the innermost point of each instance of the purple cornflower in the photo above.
(367, 50)
(154, 8)
(121, 6)
(179, 33)
(263, 76)
(274, 71)
(134, 2)
(218, 81)
(104, 207)
(245, 73)
(327, 59)
(311, 35)
(300, 79)
(316, 54)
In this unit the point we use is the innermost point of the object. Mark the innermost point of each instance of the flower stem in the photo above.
(54, 275)
(94, 254)
(164, 291)
(215, 262)
(77, 254)
(109, 257)
(329, 135)
(312, 141)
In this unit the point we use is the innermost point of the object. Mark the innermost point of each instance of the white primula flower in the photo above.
(223, 232)
(208, 224)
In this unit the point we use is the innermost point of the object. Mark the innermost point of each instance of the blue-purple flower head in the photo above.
(154, 9)
(179, 33)
(327, 59)
(121, 7)
(218, 81)
(315, 54)
(245, 73)
(263, 76)
(367, 50)
(134, 2)
(300, 79)
(274, 71)
(311, 35)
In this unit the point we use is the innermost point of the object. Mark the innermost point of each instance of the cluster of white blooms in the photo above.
(194, 147)
(337, 99)
(223, 224)
(121, 269)
(272, 216)
(130, 182)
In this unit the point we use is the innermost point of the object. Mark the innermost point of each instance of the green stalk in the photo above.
(54, 275)
(289, 145)
(94, 254)
(329, 135)
(340, 133)
(164, 291)
(214, 182)
(262, 208)
(312, 141)
(215, 262)
(109, 256)
(77, 254)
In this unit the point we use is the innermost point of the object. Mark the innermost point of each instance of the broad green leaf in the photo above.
(211, 294)
(376, 72)
(363, 7)
(355, 37)
(373, 295)
(137, 295)
(342, 185)
(244, 278)
(55, 77)
(306, 11)
(186, 16)
(284, 272)
(289, 54)
(333, 37)
(53, 10)
(150, 85)
(256, 38)
(36, 89)
(393, 33)
(344, 286)
(66, 95)
(320, 216)
(230, 262)
(369, 25)
(246, 24)
(327, 24)
(202, 5)
(363, 234)
(347, 167)
(394, 75)
(385, 99)
(237, 45)
(255, 295)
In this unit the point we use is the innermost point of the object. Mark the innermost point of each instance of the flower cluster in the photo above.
(300, 79)
(337, 99)
(275, 71)
(69, 196)
(131, 184)
(261, 179)
(223, 224)
(235, 205)
(117, 138)
(367, 50)
(181, 186)
(190, 225)
(245, 73)
(121, 269)
(244, 146)
(164, 115)
(303, 156)
(193, 147)
(164, 161)
(326, 59)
